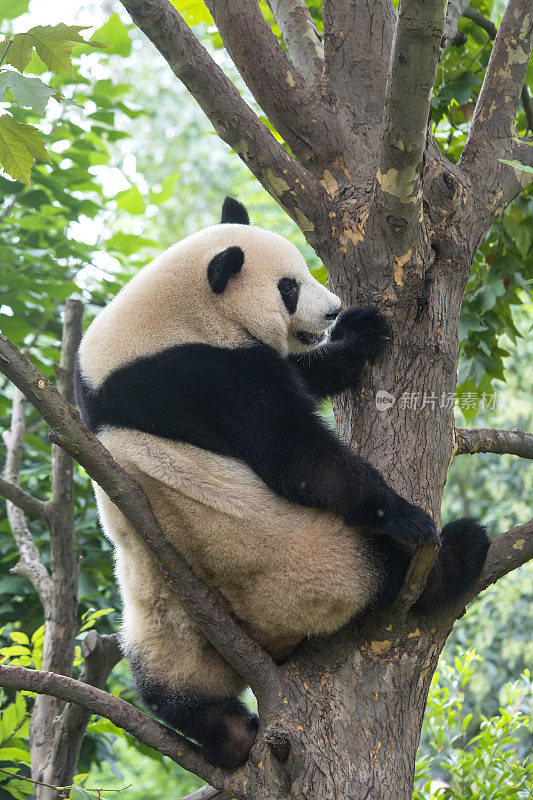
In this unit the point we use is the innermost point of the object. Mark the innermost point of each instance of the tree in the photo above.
(397, 224)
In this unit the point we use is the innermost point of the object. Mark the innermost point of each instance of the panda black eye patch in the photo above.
(289, 290)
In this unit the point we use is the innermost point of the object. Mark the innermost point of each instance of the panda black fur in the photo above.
(202, 378)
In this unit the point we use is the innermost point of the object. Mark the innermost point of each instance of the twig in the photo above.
(4, 54)
(18, 777)
(24, 500)
(488, 440)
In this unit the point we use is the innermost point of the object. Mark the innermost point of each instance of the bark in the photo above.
(488, 440)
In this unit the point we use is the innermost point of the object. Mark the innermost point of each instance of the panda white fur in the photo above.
(202, 378)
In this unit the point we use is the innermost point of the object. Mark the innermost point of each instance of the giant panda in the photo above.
(202, 377)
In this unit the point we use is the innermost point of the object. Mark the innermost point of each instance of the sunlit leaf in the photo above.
(20, 146)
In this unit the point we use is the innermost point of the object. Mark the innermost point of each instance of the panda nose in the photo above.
(333, 314)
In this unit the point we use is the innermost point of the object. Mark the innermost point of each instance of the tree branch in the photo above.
(279, 88)
(488, 440)
(296, 190)
(357, 45)
(207, 793)
(122, 714)
(493, 124)
(301, 37)
(101, 654)
(507, 552)
(30, 564)
(68, 430)
(24, 500)
(412, 71)
(490, 28)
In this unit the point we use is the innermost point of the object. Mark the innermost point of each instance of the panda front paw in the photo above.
(396, 517)
(362, 328)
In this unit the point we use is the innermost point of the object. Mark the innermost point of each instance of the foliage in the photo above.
(482, 766)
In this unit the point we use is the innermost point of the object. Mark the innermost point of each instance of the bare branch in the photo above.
(24, 500)
(507, 552)
(235, 645)
(357, 45)
(296, 190)
(101, 654)
(30, 564)
(121, 713)
(488, 440)
(412, 72)
(493, 124)
(456, 9)
(301, 37)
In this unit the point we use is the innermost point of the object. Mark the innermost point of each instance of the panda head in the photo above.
(262, 282)
(227, 286)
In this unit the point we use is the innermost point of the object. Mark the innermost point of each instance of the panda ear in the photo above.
(234, 212)
(223, 266)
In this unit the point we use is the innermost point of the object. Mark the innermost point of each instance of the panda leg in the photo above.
(223, 726)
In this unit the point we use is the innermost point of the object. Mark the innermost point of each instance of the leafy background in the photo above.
(123, 163)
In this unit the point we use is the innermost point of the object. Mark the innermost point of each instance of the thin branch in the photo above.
(412, 71)
(122, 714)
(488, 440)
(68, 430)
(207, 793)
(494, 119)
(24, 500)
(30, 564)
(507, 552)
(456, 9)
(490, 28)
(101, 654)
(301, 37)
(296, 190)
(357, 45)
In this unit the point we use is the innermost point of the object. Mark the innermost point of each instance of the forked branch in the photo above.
(488, 440)
(19, 502)
(68, 430)
(234, 121)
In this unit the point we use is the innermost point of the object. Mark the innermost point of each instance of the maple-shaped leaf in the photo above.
(53, 44)
(20, 146)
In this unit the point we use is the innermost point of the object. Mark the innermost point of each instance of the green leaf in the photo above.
(20, 146)
(78, 793)
(9, 9)
(28, 92)
(14, 754)
(114, 34)
(131, 200)
(518, 165)
(53, 44)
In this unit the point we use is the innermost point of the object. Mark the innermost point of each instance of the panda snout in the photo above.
(333, 312)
